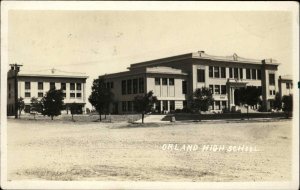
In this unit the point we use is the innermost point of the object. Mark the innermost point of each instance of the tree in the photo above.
(35, 106)
(287, 104)
(277, 102)
(73, 108)
(20, 105)
(52, 103)
(144, 104)
(250, 96)
(101, 96)
(201, 99)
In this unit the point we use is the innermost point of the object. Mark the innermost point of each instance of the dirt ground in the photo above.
(54, 150)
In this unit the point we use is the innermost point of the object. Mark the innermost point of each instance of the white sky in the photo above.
(99, 42)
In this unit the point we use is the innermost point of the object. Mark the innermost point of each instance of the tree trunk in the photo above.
(72, 117)
(105, 116)
(100, 117)
(34, 116)
(248, 112)
(20, 114)
(51, 117)
(143, 117)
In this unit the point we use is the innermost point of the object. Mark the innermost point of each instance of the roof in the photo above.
(287, 77)
(52, 73)
(203, 55)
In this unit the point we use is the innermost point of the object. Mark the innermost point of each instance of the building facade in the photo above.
(37, 84)
(174, 79)
(285, 84)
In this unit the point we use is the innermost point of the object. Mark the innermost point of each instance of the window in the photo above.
(184, 87)
(172, 105)
(291, 85)
(273, 92)
(107, 85)
(248, 74)
(171, 81)
(72, 95)
(223, 72)
(135, 86)
(129, 86)
(201, 75)
(64, 95)
(230, 72)
(241, 73)
(72, 86)
(157, 81)
(27, 94)
(141, 85)
(287, 85)
(40, 85)
(78, 95)
(164, 81)
(258, 74)
(271, 79)
(254, 74)
(211, 71)
(211, 88)
(216, 72)
(123, 87)
(129, 106)
(52, 85)
(270, 92)
(111, 84)
(27, 85)
(217, 105)
(78, 86)
(223, 104)
(223, 89)
(236, 73)
(40, 94)
(124, 106)
(217, 89)
(63, 86)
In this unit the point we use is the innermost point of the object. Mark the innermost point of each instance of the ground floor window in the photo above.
(157, 106)
(165, 105)
(217, 105)
(123, 106)
(172, 105)
(223, 104)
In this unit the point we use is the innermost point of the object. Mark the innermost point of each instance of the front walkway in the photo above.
(153, 119)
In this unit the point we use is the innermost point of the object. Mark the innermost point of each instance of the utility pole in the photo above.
(16, 68)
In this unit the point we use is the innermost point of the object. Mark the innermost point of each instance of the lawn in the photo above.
(64, 150)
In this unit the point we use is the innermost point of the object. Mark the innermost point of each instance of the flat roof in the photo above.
(203, 55)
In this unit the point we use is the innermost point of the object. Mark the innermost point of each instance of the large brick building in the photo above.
(173, 80)
(37, 84)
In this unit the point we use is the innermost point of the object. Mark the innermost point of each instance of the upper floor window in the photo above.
(123, 87)
(40, 94)
(216, 72)
(254, 74)
(223, 89)
(217, 89)
(72, 95)
(111, 84)
(52, 85)
(241, 73)
(129, 86)
(211, 71)
(135, 85)
(236, 73)
(27, 94)
(258, 74)
(171, 81)
(78, 86)
(223, 72)
(40, 85)
(248, 74)
(63, 86)
(271, 79)
(78, 95)
(141, 85)
(157, 81)
(230, 72)
(27, 85)
(72, 86)
(201, 75)
(164, 81)
(184, 87)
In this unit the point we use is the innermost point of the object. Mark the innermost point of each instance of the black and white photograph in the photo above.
(149, 95)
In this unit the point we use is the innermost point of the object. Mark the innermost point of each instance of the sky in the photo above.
(99, 42)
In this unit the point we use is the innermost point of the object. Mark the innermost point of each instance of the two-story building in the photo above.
(174, 79)
(37, 84)
(285, 84)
